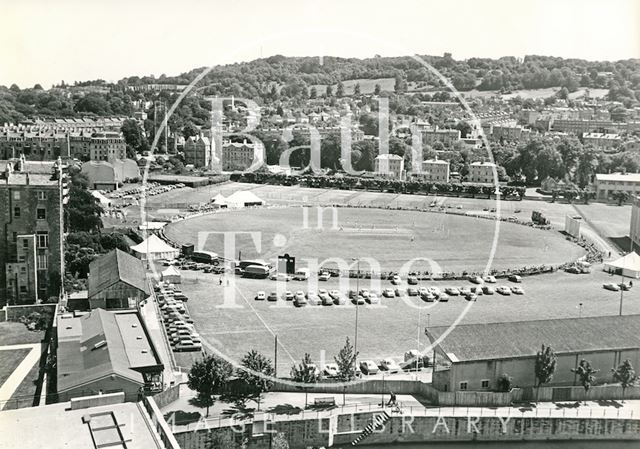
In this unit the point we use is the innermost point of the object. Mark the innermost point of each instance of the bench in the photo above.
(330, 401)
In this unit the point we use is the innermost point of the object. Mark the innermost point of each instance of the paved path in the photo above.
(22, 370)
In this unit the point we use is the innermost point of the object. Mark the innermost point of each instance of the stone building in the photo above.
(31, 230)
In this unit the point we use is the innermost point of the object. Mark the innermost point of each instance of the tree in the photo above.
(206, 378)
(305, 373)
(625, 375)
(586, 374)
(346, 360)
(504, 383)
(255, 375)
(356, 89)
(313, 92)
(377, 89)
(340, 90)
(621, 197)
(83, 209)
(133, 135)
(545, 367)
(329, 91)
(190, 130)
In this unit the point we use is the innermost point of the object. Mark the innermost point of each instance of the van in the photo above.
(205, 257)
(256, 271)
(301, 274)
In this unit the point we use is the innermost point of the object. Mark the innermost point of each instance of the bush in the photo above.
(504, 383)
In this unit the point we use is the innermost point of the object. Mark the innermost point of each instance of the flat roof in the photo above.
(628, 177)
(471, 342)
(58, 426)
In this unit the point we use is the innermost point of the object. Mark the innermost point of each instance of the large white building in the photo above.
(607, 184)
(435, 170)
(482, 172)
(389, 165)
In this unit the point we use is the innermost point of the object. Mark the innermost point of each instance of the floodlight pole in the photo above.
(355, 341)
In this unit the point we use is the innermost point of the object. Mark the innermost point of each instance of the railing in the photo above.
(415, 411)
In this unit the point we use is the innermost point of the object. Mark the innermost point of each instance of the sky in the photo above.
(45, 41)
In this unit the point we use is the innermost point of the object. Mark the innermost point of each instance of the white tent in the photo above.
(244, 198)
(172, 275)
(155, 248)
(219, 200)
(629, 264)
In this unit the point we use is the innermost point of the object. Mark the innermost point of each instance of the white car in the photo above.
(464, 291)
(368, 367)
(312, 299)
(516, 290)
(435, 291)
(389, 293)
(364, 293)
(389, 365)
(330, 370)
(489, 279)
(611, 286)
(476, 279)
(396, 280)
(261, 296)
(452, 291)
(504, 290)
(324, 276)
(338, 298)
(373, 299)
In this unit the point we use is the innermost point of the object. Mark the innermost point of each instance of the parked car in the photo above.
(389, 365)
(188, 345)
(359, 300)
(400, 292)
(611, 286)
(443, 297)
(428, 296)
(396, 280)
(452, 291)
(261, 296)
(476, 290)
(476, 279)
(625, 287)
(411, 291)
(464, 291)
(338, 298)
(281, 277)
(412, 280)
(388, 293)
(373, 298)
(515, 278)
(516, 290)
(471, 297)
(325, 298)
(330, 370)
(364, 293)
(435, 291)
(504, 290)
(488, 290)
(489, 279)
(299, 299)
(273, 296)
(288, 295)
(368, 367)
(324, 276)
(312, 299)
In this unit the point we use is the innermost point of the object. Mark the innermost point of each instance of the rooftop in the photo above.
(101, 343)
(113, 267)
(470, 342)
(121, 425)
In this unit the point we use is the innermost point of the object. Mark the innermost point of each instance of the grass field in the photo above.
(9, 361)
(17, 333)
(24, 394)
(392, 238)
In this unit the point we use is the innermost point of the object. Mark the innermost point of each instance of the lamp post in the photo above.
(580, 310)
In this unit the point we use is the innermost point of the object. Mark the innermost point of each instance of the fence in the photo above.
(167, 396)
(375, 386)
(577, 393)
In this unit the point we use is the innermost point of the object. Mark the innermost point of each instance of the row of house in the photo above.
(434, 170)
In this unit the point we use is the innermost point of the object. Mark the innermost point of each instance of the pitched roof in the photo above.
(492, 341)
(113, 267)
(154, 244)
(630, 262)
(102, 343)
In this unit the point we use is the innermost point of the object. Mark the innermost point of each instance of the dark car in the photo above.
(412, 280)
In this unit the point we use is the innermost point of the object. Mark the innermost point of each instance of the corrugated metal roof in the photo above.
(113, 267)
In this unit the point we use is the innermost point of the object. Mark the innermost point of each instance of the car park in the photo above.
(504, 290)
(611, 286)
(261, 296)
(389, 365)
(388, 293)
(489, 279)
(368, 367)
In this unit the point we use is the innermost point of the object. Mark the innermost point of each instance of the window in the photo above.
(42, 261)
(42, 213)
(23, 289)
(15, 237)
(43, 240)
(16, 212)
(25, 243)
(463, 385)
(16, 194)
(484, 384)
(42, 195)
